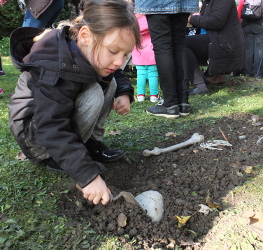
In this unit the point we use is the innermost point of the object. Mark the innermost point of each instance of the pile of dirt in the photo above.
(187, 179)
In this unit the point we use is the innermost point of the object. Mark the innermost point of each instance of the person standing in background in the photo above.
(145, 64)
(167, 21)
(253, 33)
(42, 14)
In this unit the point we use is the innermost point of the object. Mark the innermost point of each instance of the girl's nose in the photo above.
(119, 61)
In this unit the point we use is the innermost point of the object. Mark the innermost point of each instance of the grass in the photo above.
(29, 194)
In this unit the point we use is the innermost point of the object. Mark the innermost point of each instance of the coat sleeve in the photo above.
(215, 15)
(52, 114)
(124, 86)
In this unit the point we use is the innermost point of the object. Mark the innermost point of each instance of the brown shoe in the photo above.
(217, 79)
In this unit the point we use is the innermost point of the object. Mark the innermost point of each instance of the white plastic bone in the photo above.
(195, 138)
(214, 144)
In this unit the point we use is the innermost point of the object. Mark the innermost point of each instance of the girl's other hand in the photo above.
(122, 105)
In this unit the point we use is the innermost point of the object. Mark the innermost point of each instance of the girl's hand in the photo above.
(122, 105)
(97, 191)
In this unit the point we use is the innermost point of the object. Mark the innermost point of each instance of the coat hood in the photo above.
(51, 53)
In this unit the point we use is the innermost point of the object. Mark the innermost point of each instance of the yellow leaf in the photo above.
(247, 169)
(211, 204)
(182, 220)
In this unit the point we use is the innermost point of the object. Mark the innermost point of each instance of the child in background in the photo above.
(70, 83)
(145, 64)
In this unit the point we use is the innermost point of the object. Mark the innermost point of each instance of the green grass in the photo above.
(29, 194)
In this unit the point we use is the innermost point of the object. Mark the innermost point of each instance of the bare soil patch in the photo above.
(185, 178)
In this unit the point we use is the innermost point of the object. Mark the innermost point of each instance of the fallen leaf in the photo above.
(211, 204)
(204, 209)
(182, 220)
(115, 132)
(21, 157)
(236, 165)
(170, 134)
(255, 118)
(247, 169)
(256, 124)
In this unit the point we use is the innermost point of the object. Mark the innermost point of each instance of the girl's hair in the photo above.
(102, 16)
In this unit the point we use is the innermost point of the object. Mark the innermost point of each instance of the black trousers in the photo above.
(168, 38)
(197, 55)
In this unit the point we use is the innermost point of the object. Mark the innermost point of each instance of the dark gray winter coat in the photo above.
(52, 77)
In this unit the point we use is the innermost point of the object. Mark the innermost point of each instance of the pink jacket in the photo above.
(144, 56)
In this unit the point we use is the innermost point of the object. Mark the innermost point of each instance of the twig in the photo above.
(223, 135)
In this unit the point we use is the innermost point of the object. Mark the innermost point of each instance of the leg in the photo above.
(141, 81)
(2, 73)
(153, 79)
(178, 23)
(197, 53)
(92, 109)
(258, 52)
(160, 30)
(249, 49)
(88, 107)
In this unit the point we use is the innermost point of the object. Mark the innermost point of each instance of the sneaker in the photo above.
(140, 98)
(1, 91)
(167, 112)
(184, 109)
(2, 73)
(154, 98)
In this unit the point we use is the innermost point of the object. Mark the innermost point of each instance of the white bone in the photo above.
(214, 144)
(195, 138)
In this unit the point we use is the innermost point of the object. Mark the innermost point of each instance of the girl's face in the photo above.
(111, 53)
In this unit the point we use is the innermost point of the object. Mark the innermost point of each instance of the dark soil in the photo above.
(186, 178)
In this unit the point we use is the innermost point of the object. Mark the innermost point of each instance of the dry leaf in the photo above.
(170, 134)
(115, 132)
(182, 220)
(21, 157)
(236, 165)
(255, 118)
(204, 209)
(247, 169)
(211, 204)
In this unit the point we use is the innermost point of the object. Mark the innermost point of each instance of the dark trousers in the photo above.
(253, 34)
(197, 55)
(168, 37)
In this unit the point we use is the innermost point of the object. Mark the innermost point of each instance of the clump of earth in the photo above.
(188, 179)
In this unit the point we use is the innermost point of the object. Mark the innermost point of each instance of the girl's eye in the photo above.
(113, 52)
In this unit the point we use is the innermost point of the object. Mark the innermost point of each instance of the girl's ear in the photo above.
(84, 35)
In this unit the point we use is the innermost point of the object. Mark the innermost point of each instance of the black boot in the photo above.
(100, 152)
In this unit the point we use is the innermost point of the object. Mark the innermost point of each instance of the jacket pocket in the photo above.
(226, 46)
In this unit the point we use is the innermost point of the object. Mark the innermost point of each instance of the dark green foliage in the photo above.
(10, 18)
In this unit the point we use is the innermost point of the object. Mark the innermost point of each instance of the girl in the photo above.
(68, 88)
(145, 64)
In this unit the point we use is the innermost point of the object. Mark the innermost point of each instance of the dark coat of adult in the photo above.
(41, 109)
(37, 7)
(226, 51)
